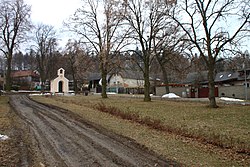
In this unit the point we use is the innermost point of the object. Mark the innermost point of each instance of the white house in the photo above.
(126, 81)
(59, 84)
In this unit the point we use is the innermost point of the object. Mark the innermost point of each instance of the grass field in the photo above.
(188, 132)
(8, 148)
(4, 110)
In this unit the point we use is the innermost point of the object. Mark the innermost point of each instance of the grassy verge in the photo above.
(229, 126)
(9, 155)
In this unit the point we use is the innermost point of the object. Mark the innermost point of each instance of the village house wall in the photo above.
(116, 80)
(180, 91)
(133, 83)
(237, 91)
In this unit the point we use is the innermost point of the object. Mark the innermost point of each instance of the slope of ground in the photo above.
(58, 137)
(229, 125)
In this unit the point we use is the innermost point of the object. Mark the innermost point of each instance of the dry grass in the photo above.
(8, 148)
(227, 126)
(4, 110)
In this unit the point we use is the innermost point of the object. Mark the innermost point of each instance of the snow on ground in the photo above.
(50, 94)
(230, 99)
(3, 137)
(170, 96)
(111, 93)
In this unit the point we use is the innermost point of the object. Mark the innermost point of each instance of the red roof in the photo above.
(25, 73)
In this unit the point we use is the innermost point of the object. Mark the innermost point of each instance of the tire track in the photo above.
(66, 140)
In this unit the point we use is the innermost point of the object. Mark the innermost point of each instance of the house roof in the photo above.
(130, 74)
(124, 73)
(25, 73)
(94, 76)
(226, 76)
(194, 77)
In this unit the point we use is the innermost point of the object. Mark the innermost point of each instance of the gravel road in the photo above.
(60, 138)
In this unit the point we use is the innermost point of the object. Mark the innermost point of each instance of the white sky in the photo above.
(53, 12)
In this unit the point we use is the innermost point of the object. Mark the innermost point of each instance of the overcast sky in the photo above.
(53, 12)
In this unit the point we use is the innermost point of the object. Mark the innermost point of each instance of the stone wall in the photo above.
(237, 91)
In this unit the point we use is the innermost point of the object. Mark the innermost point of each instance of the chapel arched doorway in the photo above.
(60, 86)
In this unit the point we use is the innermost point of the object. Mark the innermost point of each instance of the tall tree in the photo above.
(213, 26)
(146, 18)
(45, 46)
(18, 61)
(169, 51)
(79, 62)
(14, 24)
(99, 23)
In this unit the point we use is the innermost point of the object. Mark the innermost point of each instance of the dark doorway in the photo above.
(60, 86)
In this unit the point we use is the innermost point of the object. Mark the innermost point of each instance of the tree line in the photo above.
(169, 36)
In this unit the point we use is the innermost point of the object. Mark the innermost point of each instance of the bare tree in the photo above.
(18, 61)
(147, 19)
(78, 61)
(45, 47)
(213, 26)
(99, 23)
(169, 51)
(14, 25)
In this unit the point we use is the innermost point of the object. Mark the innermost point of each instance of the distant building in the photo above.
(60, 84)
(25, 79)
(234, 84)
(125, 81)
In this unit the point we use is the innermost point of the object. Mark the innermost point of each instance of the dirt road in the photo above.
(59, 138)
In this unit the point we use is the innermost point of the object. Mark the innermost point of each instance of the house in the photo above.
(125, 81)
(194, 86)
(228, 83)
(25, 79)
(94, 82)
(234, 84)
(60, 84)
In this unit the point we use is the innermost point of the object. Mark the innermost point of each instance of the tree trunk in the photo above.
(162, 63)
(165, 79)
(43, 79)
(146, 88)
(8, 74)
(211, 86)
(147, 97)
(104, 83)
(75, 83)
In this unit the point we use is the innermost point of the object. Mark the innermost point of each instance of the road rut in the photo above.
(63, 139)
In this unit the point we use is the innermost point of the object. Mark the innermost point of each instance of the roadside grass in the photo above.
(4, 109)
(8, 148)
(227, 127)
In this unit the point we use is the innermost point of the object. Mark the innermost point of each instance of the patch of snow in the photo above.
(70, 94)
(28, 91)
(170, 96)
(111, 93)
(3, 137)
(34, 94)
(230, 99)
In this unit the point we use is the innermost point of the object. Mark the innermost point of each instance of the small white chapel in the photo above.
(60, 84)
